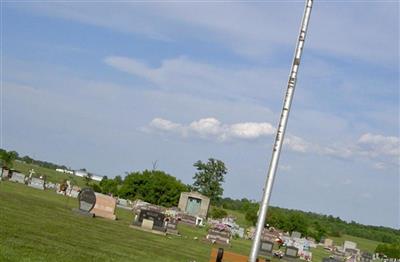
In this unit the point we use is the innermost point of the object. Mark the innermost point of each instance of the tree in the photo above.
(7, 158)
(118, 179)
(218, 213)
(88, 178)
(251, 215)
(209, 177)
(390, 250)
(155, 186)
(109, 186)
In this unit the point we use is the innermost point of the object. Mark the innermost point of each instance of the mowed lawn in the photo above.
(39, 225)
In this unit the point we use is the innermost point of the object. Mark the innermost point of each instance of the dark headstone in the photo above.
(87, 200)
(188, 219)
(157, 218)
(291, 252)
(266, 247)
(366, 257)
(172, 226)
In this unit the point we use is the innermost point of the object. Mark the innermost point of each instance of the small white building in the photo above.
(82, 173)
(65, 171)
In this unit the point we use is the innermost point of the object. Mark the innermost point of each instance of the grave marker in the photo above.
(104, 206)
(149, 220)
(216, 235)
(266, 248)
(18, 178)
(172, 226)
(86, 200)
(36, 183)
(291, 253)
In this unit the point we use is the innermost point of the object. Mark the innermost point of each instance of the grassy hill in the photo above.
(51, 174)
(40, 226)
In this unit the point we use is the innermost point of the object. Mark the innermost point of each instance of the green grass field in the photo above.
(40, 225)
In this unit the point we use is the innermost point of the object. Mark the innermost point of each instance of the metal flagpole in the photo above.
(280, 133)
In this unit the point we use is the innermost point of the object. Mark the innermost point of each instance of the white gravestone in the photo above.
(36, 183)
(18, 178)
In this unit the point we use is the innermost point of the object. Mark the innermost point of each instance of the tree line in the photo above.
(8, 157)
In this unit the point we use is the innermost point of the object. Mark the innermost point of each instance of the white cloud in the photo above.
(164, 125)
(251, 130)
(375, 145)
(379, 147)
(212, 128)
(297, 144)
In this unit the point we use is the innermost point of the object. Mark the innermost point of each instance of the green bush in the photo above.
(218, 213)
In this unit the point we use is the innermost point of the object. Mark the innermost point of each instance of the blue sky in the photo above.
(113, 87)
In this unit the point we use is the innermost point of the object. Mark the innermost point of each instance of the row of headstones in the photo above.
(32, 182)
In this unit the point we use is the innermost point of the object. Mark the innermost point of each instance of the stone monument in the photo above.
(104, 207)
(18, 178)
(157, 218)
(86, 200)
(36, 183)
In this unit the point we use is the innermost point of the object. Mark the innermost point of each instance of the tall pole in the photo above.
(280, 133)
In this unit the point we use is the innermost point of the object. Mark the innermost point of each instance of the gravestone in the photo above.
(266, 248)
(291, 253)
(147, 224)
(296, 234)
(51, 185)
(188, 219)
(123, 203)
(18, 178)
(349, 245)
(328, 242)
(220, 236)
(36, 183)
(4, 174)
(366, 257)
(172, 226)
(104, 206)
(86, 200)
(74, 192)
(157, 218)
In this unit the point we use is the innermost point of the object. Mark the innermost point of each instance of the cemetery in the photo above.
(171, 234)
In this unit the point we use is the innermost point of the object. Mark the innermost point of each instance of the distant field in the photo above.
(51, 174)
(39, 225)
